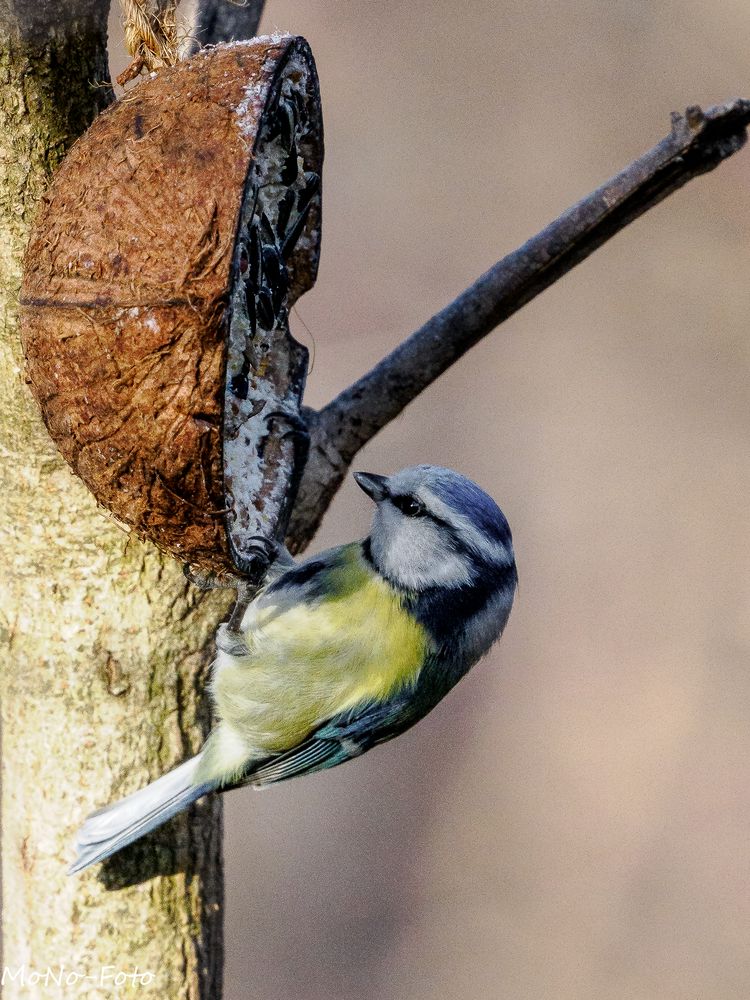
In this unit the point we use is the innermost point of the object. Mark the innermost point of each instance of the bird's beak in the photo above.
(374, 486)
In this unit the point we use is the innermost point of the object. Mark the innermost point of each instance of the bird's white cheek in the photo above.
(414, 553)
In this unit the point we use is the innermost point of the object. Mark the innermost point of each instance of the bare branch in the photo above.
(698, 142)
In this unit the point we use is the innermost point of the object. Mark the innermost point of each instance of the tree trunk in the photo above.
(105, 646)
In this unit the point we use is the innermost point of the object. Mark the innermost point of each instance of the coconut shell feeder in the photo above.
(176, 236)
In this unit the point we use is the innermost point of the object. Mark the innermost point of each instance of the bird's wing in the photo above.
(328, 639)
(342, 738)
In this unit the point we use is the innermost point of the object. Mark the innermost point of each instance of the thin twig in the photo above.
(698, 142)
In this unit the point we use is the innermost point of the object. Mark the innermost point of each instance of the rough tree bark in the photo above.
(105, 647)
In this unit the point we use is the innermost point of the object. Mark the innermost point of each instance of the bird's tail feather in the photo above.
(110, 829)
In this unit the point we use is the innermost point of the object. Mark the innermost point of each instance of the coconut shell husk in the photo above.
(126, 304)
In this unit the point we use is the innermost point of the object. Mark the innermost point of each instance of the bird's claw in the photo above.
(258, 553)
(208, 580)
(292, 418)
(230, 642)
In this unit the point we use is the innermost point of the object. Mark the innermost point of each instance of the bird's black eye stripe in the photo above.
(409, 505)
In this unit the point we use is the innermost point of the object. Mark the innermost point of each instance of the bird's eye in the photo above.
(408, 505)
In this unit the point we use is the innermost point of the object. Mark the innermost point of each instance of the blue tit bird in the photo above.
(343, 651)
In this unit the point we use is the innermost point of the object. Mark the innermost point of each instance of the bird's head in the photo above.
(434, 528)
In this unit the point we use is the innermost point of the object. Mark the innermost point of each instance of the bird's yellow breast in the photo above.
(310, 659)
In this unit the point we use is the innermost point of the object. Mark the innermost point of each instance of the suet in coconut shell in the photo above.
(176, 236)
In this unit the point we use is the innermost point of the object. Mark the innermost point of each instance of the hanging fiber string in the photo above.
(150, 35)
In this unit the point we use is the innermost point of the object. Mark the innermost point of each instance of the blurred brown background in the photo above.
(572, 822)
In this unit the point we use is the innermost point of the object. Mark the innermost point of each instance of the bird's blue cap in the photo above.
(466, 498)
